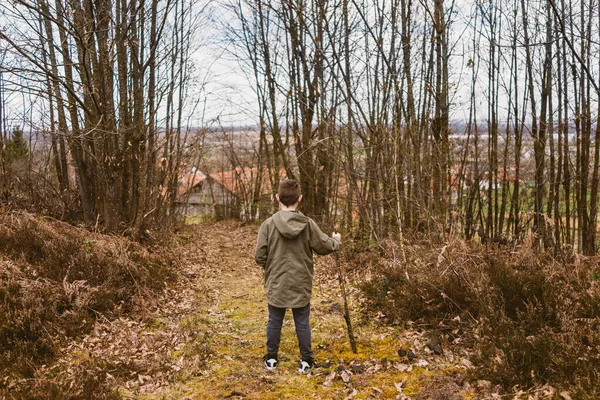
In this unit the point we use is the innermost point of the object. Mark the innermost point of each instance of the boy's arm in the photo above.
(262, 249)
(320, 242)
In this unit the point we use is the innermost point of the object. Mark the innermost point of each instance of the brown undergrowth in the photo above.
(529, 321)
(56, 282)
(203, 337)
(505, 319)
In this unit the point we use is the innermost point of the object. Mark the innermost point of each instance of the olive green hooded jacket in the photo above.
(284, 248)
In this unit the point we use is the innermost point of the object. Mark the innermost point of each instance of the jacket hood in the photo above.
(289, 223)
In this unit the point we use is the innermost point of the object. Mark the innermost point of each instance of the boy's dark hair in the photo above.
(289, 192)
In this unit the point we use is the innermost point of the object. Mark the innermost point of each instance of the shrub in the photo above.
(56, 279)
(531, 320)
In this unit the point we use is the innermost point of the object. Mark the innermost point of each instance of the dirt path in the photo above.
(206, 340)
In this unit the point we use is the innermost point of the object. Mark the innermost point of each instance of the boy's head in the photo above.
(289, 192)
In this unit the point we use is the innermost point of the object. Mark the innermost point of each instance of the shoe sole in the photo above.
(270, 368)
(305, 370)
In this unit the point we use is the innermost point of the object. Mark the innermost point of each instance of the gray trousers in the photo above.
(301, 316)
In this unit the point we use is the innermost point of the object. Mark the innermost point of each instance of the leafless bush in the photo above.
(57, 279)
(529, 319)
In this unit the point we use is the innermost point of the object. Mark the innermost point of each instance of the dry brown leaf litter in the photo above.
(204, 338)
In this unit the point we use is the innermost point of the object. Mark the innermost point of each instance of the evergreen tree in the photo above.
(16, 148)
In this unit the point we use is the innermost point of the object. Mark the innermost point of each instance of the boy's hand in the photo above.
(337, 236)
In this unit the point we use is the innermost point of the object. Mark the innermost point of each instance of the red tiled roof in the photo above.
(242, 181)
(189, 180)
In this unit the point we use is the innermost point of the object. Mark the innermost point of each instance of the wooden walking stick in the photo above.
(346, 310)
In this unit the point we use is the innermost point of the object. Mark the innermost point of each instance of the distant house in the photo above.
(253, 202)
(224, 194)
(200, 195)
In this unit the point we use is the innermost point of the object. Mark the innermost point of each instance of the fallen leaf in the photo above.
(345, 376)
(422, 363)
(329, 379)
(403, 367)
(400, 384)
(351, 395)
(398, 387)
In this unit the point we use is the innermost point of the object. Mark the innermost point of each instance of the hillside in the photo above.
(203, 337)
(196, 329)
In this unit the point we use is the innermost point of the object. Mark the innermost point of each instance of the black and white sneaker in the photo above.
(306, 366)
(270, 362)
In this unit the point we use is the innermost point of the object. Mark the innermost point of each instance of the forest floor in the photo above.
(204, 338)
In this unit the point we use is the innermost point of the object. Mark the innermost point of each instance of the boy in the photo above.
(284, 249)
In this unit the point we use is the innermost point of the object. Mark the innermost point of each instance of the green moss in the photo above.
(234, 332)
(154, 323)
